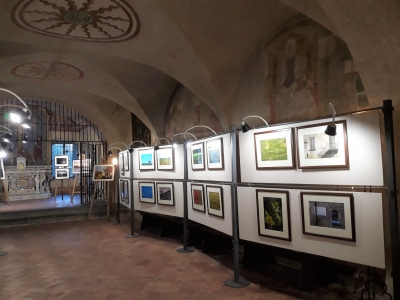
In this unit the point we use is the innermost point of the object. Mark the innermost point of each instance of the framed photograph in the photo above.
(146, 159)
(197, 156)
(165, 158)
(124, 191)
(146, 192)
(2, 173)
(215, 154)
(316, 150)
(198, 202)
(165, 193)
(123, 164)
(61, 161)
(329, 215)
(273, 212)
(77, 167)
(62, 173)
(103, 172)
(274, 150)
(215, 201)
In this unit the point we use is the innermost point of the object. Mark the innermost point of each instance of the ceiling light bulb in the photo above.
(2, 153)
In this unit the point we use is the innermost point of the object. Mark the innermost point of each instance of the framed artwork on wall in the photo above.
(103, 172)
(215, 154)
(77, 167)
(197, 156)
(146, 159)
(146, 192)
(62, 173)
(328, 215)
(165, 193)
(215, 201)
(61, 161)
(123, 164)
(317, 150)
(124, 191)
(198, 198)
(273, 213)
(274, 150)
(165, 158)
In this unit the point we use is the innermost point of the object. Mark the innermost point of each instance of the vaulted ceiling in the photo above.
(112, 57)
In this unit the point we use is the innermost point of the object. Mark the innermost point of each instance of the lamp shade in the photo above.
(245, 127)
(109, 153)
(156, 147)
(331, 129)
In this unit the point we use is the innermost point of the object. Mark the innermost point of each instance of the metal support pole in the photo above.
(116, 187)
(236, 281)
(185, 205)
(133, 234)
(392, 195)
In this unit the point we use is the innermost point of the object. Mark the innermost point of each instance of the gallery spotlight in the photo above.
(109, 152)
(156, 147)
(246, 127)
(331, 128)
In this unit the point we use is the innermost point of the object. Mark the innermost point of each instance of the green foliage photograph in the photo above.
(273, 149)
(273, 213)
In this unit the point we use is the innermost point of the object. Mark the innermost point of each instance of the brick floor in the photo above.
(93, 260)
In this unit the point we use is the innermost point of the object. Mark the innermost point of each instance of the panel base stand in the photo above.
(231, 283)
(3, 253)
(116, 223)
(183, 250)
(129, 236)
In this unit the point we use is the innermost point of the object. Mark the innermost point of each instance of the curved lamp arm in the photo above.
(9, 130)
(254, 117)
(118, 143)
(184, 135)
(162, 139)
(138, 142)
(200, 126)
(15, 95)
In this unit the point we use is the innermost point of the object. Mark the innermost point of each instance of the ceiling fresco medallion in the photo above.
(86, 20)
(52, 70)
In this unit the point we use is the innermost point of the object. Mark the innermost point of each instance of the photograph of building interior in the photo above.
(199, 127)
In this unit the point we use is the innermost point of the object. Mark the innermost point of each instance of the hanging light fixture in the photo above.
(331, 128)
(246, 127)
(156, 147)
(25, 138)
(131, 147)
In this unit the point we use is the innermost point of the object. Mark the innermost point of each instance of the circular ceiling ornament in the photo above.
(52, 70)
(86, 20)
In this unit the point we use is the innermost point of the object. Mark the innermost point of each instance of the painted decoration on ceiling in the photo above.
(90, 20)
(186, 110)
(295, 76)
(52, 70)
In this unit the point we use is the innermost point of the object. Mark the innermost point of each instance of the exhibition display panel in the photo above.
(339, 222)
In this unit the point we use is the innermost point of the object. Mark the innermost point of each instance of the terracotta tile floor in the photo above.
(93, 260)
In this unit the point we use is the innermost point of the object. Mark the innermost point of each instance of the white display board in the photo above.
(176, 173)
(368, 249)
(175, 211)
(364, 148)
(209, 174)
(220, 224)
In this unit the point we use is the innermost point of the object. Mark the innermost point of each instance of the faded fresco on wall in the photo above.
(303, 69)
(186, 110)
